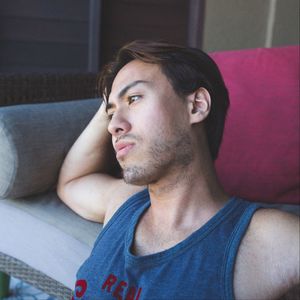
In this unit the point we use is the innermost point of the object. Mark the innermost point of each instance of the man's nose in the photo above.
(118, 124)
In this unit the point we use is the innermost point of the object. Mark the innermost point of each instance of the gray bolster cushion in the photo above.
(34, 139)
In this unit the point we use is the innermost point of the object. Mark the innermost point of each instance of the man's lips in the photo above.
(122, 148)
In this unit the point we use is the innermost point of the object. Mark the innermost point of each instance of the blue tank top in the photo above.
(199, 267)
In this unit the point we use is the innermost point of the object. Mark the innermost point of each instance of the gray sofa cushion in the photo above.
(34, 140)
(46, 235)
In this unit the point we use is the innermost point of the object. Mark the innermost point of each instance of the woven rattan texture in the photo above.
(42, 88)
(18, 269)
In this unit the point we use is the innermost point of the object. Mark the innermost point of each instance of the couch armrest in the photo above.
(34, 140)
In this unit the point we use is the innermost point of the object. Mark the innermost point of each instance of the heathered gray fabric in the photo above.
(48, 208)
(34, 139)
(45, 234)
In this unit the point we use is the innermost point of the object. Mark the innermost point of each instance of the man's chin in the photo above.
(136, 176)
(135, 182)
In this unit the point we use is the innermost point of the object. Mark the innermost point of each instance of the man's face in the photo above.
(149, 124)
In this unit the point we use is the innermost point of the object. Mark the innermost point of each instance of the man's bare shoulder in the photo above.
(267, 263)
(120, 191)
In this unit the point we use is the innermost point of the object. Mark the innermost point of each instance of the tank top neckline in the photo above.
(181, 247)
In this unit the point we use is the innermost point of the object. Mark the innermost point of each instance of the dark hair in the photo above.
(187, 69)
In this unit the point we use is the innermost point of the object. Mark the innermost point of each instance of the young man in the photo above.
(182, 237)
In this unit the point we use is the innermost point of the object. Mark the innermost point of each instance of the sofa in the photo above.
(37, 230)
(43, 242)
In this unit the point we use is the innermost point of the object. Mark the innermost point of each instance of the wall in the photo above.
(43, 36)
(238, 24)
(64, 35)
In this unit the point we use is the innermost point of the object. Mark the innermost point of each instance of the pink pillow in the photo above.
(259, 156)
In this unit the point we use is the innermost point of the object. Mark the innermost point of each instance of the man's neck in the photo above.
(187, 198)
(180, 204)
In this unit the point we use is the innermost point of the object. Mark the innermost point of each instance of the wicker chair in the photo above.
(40, 88)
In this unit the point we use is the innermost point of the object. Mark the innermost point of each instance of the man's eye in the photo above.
(110, 115)
(133, 98)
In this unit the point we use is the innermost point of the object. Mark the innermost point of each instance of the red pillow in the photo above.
(259, 156)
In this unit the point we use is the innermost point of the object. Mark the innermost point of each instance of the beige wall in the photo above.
(238, 24)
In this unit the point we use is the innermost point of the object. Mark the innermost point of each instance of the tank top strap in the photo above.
(125, 212)
(248, 209)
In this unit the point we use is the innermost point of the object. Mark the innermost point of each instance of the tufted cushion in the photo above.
(34, 139)
(259, 157)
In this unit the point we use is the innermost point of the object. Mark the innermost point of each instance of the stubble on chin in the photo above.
(161, 156)
(136, 175)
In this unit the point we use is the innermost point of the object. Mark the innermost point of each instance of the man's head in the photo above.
(187, 69)
(149, 124)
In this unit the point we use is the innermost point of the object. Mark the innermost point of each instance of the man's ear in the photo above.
(199, 104)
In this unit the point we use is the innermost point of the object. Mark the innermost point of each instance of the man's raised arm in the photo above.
(86, 181)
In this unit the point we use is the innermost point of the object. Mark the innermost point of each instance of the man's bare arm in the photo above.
(267, 264)
(283, 237)
(87, 183)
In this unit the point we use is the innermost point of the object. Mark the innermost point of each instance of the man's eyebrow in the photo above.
(124, 90)
(129, 86)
